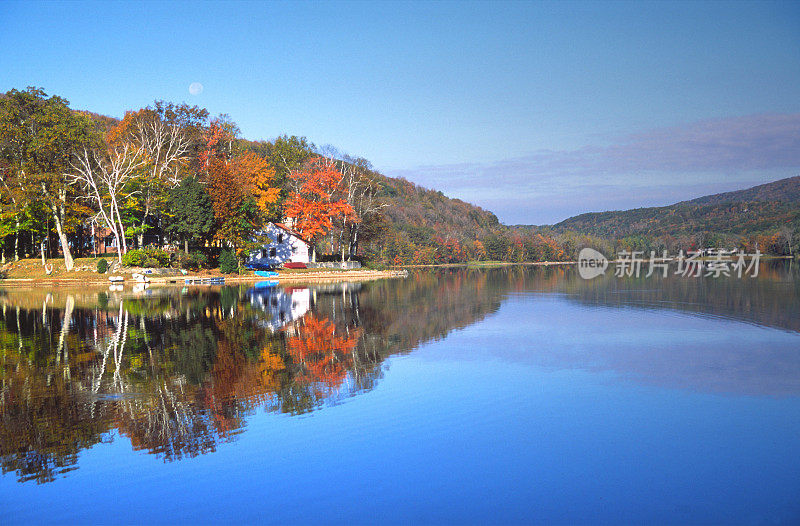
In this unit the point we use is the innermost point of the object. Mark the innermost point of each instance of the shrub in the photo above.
(374, 265)
(227, 262)
(159, 255)
(146, 257)
(102, 266)
(201, 259)
(194, 261)
(181, 260)
(134, 258)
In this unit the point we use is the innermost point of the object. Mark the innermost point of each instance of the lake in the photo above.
(510, 395)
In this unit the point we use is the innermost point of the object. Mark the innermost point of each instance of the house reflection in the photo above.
(282, 305)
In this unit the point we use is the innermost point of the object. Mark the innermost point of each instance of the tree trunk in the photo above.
(186, 245)
(62, 237)
(16, 239)
(140, 236)
(354, 241)
(341, 239)
(119, 229)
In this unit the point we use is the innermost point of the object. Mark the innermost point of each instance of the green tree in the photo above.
(227, 262)
(191, 216)
(38, 136)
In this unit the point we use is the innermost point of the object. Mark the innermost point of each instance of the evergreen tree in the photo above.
(191, 216)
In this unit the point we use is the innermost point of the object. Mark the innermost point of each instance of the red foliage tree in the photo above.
(313, 204)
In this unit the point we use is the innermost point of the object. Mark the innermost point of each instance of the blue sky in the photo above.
(536, 111)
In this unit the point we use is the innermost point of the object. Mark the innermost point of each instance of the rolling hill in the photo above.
(758, 210)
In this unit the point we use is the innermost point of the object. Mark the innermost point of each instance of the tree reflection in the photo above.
(320, 355)
(179, 371)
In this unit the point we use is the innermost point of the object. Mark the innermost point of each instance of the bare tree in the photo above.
(103, 175)
(785, 235)
(360, 190)
(163, 136)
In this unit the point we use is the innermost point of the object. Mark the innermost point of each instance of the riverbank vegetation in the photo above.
(77, 184)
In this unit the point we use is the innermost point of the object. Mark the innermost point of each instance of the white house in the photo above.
(284, 246)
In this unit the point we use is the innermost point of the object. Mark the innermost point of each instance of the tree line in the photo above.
(165, 174)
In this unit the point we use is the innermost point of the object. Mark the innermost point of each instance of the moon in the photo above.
(195, 88)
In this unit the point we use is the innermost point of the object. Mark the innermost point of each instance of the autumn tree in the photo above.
(286, 154)
(167, 134)
(241, 187)
(313, 204)
(38, 138)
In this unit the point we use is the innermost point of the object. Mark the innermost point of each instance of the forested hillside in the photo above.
(785, 190)
(767, 214)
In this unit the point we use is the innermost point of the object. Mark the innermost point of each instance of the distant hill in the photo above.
(785, 190)
(757, 210)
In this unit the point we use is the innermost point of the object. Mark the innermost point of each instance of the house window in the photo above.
(294, 250)
(280, 238)
(263, 253)
(272, 252)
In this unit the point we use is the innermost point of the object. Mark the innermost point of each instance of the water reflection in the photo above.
(179, 371)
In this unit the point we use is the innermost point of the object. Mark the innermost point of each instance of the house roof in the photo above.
(296, 234)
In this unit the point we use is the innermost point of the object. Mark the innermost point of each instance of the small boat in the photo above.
(140, 278)
(116, 279)
(266, 274)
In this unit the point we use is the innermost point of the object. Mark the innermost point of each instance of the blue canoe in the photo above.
(266, 274)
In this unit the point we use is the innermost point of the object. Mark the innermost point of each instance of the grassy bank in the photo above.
(31, 272)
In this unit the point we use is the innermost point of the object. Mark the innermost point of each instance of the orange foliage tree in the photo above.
(241, 189)
(313, 204)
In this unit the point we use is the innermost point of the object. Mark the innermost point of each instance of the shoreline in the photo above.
(488, 264)
(314, 277)
(91, 278)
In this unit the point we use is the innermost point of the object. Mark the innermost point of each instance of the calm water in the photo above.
(515, 395)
